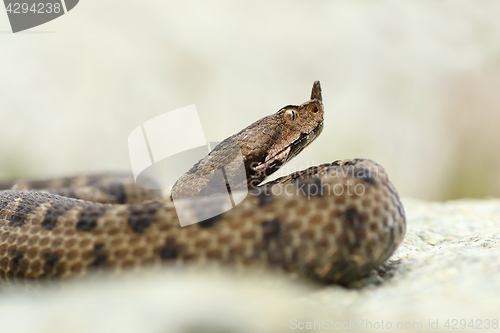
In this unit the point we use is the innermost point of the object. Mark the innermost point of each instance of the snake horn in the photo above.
(316, 91)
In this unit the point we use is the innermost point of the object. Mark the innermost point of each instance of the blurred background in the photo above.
(414, 85)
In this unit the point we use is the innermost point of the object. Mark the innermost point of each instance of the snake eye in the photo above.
(291, 114)
(314, 109)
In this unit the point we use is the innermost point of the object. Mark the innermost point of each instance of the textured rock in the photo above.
(447, 268)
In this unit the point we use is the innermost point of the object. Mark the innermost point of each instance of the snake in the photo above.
(330, 223)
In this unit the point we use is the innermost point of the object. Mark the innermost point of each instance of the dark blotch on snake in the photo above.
(311, 187)
(89, 216)
(139, 223)
(18, 219)
(169, 251)
(51, 259)
(17, 258)
(100, 257)
(141, 216)
(118, 192)
(59, 207)
(208, 223)
(271, 229)
(86, 225)
(365, 174)
(264, 197)
(351, 217)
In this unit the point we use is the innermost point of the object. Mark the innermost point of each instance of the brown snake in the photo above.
(333, 223)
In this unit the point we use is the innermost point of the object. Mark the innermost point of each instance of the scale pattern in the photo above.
(333, 223)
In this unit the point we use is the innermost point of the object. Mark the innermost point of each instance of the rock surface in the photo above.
(447, 269)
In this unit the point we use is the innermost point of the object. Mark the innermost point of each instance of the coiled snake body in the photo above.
(334, 222)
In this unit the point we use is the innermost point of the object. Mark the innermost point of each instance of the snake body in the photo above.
(333, 222)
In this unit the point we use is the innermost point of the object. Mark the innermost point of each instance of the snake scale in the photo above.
(331, 223)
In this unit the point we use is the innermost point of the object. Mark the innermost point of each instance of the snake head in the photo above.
(265, 146)
(295, 127)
